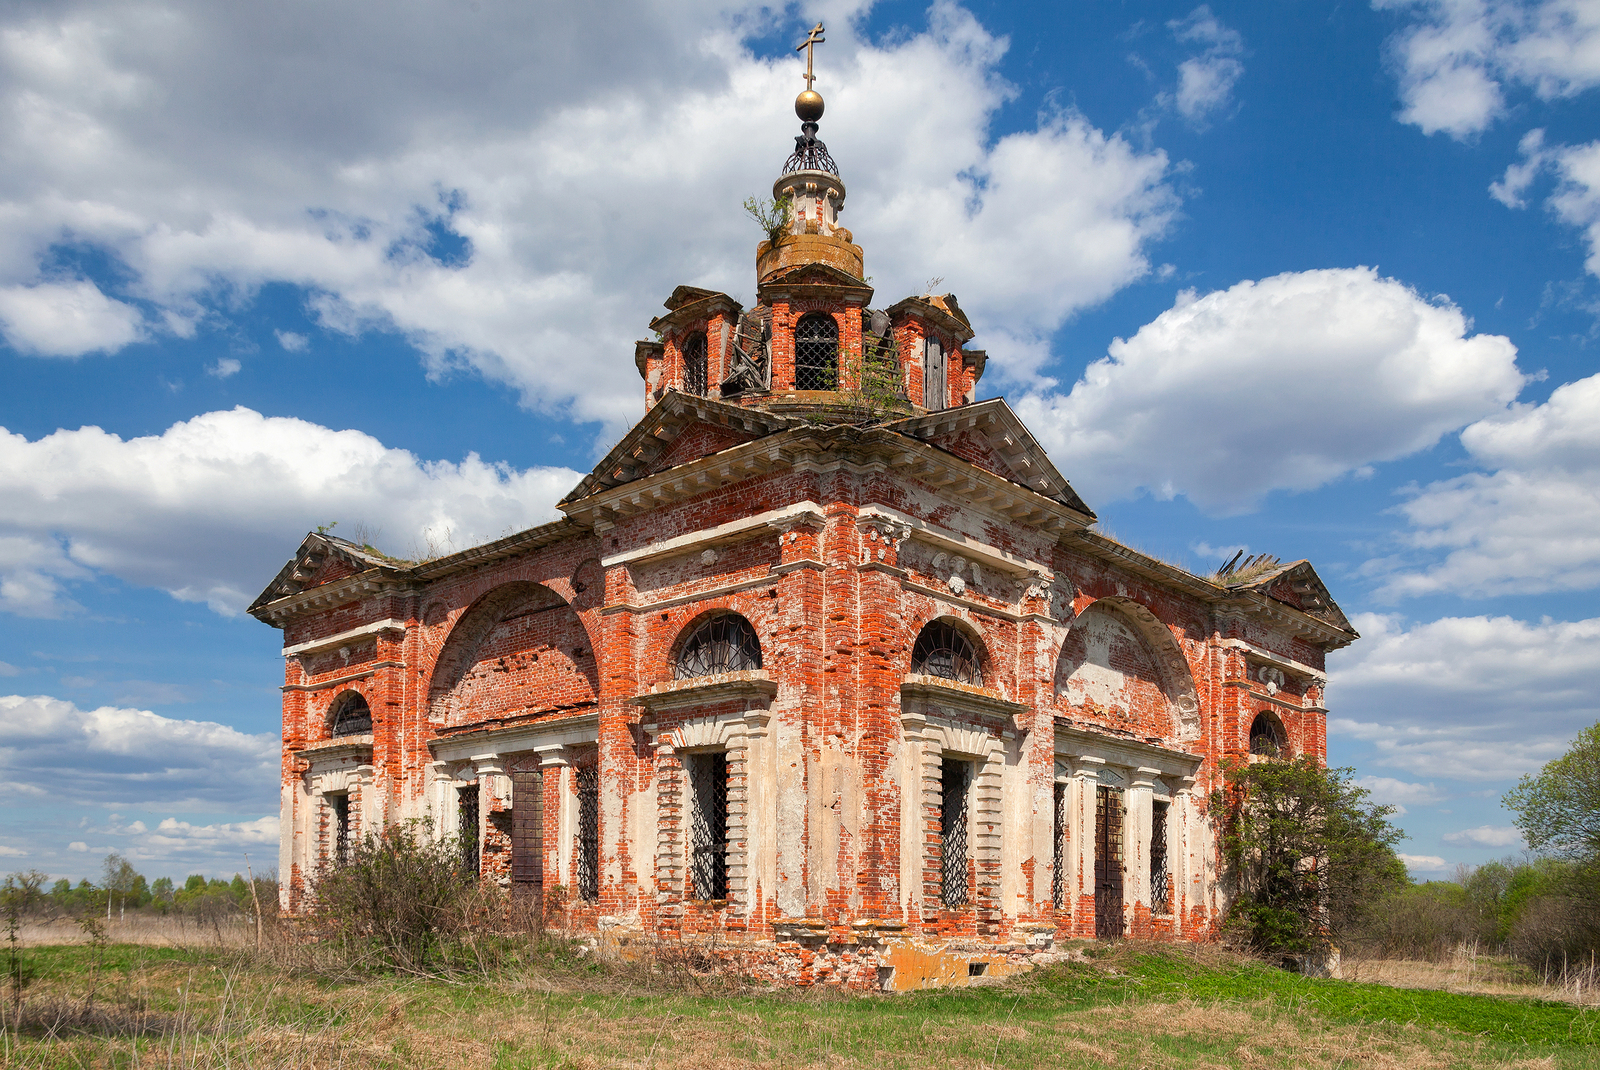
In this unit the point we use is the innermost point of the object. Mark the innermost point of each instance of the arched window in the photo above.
(694, 364)
(816, 352)
(351, 716)
(1266, 736)
(944, 650)
(724, 643)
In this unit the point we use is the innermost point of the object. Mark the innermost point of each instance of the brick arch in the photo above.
(1152, 665)
(966, 628)
(692, 628)
(519, 650)
(336, 707)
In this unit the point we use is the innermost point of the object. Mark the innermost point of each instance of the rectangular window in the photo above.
(586, 866)
(708, 824)
(1058, 885)
(956, 778)
(1160, 881)
(527, 826)
(467, 830)
(1108, 816)
(341, 827)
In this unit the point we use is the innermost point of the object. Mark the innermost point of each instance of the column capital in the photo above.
(552, 754)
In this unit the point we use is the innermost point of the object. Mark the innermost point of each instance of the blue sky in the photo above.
(1316, 280)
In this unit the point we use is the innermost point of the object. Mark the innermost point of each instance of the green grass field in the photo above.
(1128, 1007)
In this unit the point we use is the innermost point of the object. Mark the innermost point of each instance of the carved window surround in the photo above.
(722, 534)
(740, 733)
(346, 638)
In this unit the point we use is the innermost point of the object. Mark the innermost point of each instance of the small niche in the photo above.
(977, 969)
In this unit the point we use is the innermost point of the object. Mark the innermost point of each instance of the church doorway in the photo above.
(1107, 863)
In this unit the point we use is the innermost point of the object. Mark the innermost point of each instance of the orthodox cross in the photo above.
(813, 39)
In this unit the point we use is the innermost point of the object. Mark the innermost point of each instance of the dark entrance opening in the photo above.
(527, 828)
(1107, 863)
(467, 807)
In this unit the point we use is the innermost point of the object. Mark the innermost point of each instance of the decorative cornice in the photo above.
(515, 739)
(1079, 744)
(963, 698)
(751, 685)
(313, 646)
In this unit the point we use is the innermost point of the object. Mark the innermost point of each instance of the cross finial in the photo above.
(807, 46)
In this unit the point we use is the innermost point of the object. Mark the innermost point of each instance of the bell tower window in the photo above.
(816, 352)
(694, 364)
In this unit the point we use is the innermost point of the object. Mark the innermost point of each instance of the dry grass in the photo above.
(1467, 971)
(160, 1007)
(149, 930)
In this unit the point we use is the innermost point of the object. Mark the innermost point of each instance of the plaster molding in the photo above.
(315, 646)
(750, 685)
(517, 739)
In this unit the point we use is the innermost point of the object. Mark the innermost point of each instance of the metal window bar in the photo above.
(694, 365)
(1265, 737)
(467, 829)
(708, 825)
(942, 650)
(1160, 881)
(956, 777)
(816, 352)
(527, 826)
(1058, 884)
(354, 717)
(1108, 863)
(341, 827)
(586, 783)
(725, 643)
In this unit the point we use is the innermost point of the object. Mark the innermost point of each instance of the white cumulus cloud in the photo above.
(1455, 58)
(1378, 371)
(1206, 81)
(1485, 836)
(210, 509)
(489, 182)
(1424, 863)
(66, 319)
(1575, 199)
(1529, 525)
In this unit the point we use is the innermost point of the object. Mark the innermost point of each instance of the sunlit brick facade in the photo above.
(844, 678)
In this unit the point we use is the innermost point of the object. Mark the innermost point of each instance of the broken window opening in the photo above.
(725, 643)
(527, 826)
(351, 715)
(586, 866)
(816, 352)
(694, 364)
(955, 784)
(1160, 880)
(340, 805)
(1058, 884)
(1267, 736)
(944, 650)
(708, 824)
(467, 830)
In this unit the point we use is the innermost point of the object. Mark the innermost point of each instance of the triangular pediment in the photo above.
(322, 559)
(682, 428)
(989, 435)
(1297, 585)
(821, 277)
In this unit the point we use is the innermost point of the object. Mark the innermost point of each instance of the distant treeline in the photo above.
(124, 889)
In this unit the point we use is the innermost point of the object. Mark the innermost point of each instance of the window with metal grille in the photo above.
(467, 829)
(351, 716)
(1108, 916)
(1160, 881)
(725, 643)
(708, 824)
(816, 352)
(943, 650)
(527, 826)
(586, 866)
(694, 364)
(956, 782)
(341, 827)
(1266, 736)
(1058, 886)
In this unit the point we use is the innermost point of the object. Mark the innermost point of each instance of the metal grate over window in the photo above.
(586, 783)
(816, 352)
(527, 826)
(956, 776)
(708, 825)
(725, 643)
(353, 717)
(1266, 737)
(1107, 863)
(694, 364)
(467, 830)
(341, 827)
(942, 650)
(1058, 886)
(1160, 880)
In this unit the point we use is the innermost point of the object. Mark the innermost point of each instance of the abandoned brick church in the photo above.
(825, 659)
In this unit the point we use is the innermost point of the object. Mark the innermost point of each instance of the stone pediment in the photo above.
(690, 303)
(815, 279)
(681, 429)
(1298, 586)
(990, 436)
(941, 312)
(323, 559)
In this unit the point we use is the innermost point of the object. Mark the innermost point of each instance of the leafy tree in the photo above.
(1558, 809)
(121, 880)
(1308, 857)
(161, 893)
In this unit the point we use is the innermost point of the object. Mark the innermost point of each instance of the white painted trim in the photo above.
(721, 533)
(959, 543)
(1287, 664)
(312, 646)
